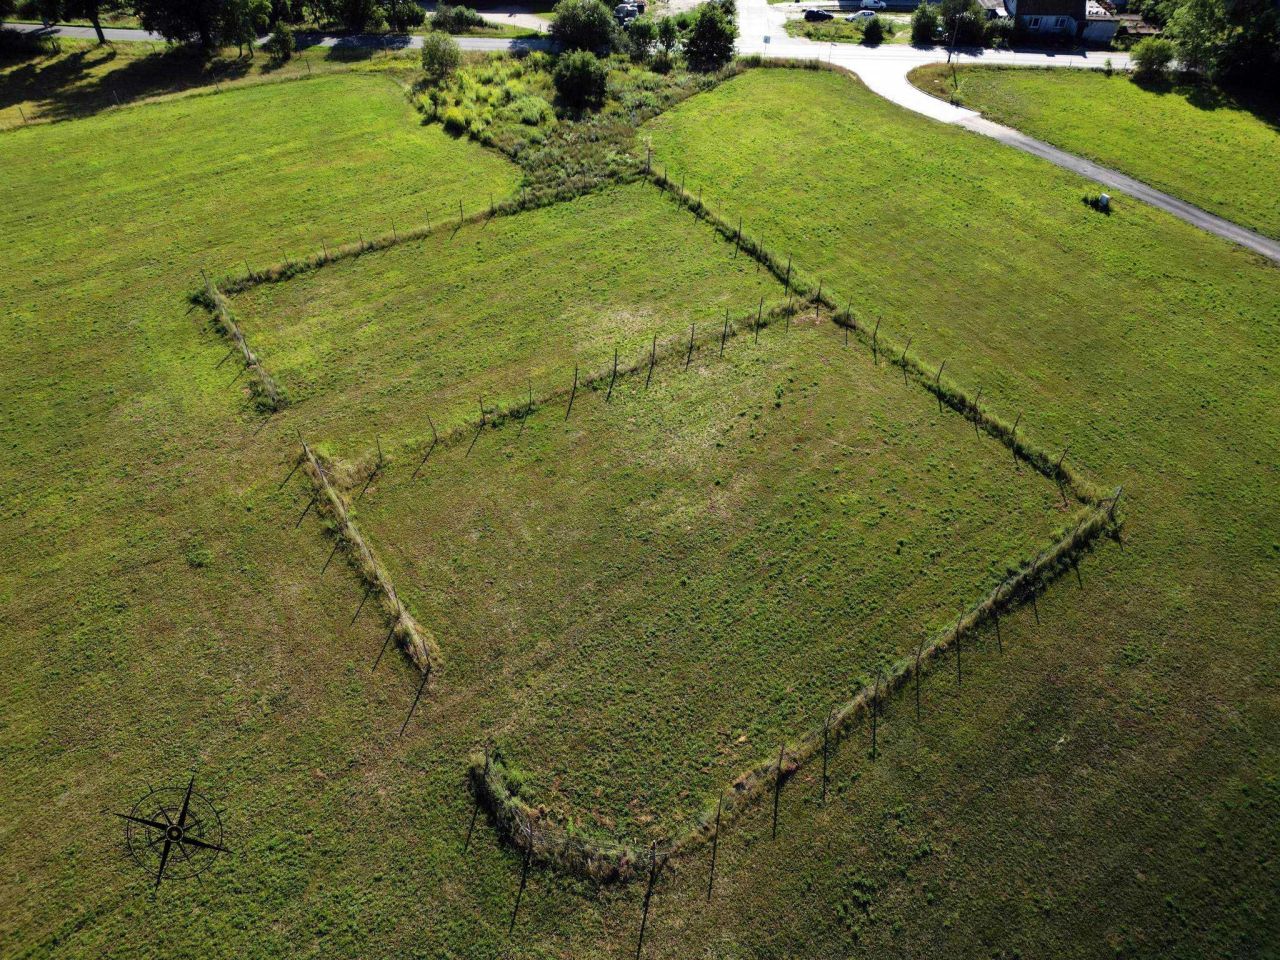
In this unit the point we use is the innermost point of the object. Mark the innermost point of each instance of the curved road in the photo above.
(884, 69)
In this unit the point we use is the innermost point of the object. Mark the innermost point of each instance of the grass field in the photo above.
(159, 622)
(1151, 349)
(82, 78)
(372, 346)
(1110, 785)
(775, 524)
(1189, 140)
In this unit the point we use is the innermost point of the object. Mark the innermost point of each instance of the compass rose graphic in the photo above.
(173, 832)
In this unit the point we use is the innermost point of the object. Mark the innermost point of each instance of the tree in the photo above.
(710, 43)
(1198, 29)
(583, 25)
(668, 34)
(182, 21)
(924, 25)
(404, 14)
(873, 32)
(280, 45)
(641, 36)
(962, 22)
(243, 21)
(580, 78)
(441, 57)
(1151, 57)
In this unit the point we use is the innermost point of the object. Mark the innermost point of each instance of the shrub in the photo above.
(454, 121)
(280, 46)
(998, 33)
(924, 24)
(404, 14)
(710, 43)
(668, 34)
(1151, 58)
(873, 32)
(580, 78)
(441, 56)
(583, 25)
(449, 19)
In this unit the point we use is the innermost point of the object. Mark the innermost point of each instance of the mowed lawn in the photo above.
(162, 615)
(660, 589)
(372, 346)
(1189, 140)
(1113, 785)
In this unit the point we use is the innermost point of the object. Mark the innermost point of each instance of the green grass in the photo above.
(1205, 146)
(82, 78)
(773, 525)
(160, 621)
(840, 30)
(371, 346)
(1110, 785)
(1150, 347)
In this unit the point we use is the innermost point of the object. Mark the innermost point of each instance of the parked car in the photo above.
(626, 12)
(873, 4)
(818, 16)
(860, 15)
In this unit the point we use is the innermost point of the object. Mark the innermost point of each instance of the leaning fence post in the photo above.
(715, 843)
(653, 358)
(817, 302)
(1115, 498)
(573, 393)
(434, 439)
(1013, 438)
(1057, 474)
(724, 331)
(777, 789)
(787, 282)
(609, 396)
(648, 894)
(937, 384)
(956, 635)
(875, 336)
(737, 237)
(759, 314)
(826, 726)
(919, 652)
(689, 355)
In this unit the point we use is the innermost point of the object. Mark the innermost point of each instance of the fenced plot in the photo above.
(375, 344)
(657, 590)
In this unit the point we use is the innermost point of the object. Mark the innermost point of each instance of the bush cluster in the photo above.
(449, 19)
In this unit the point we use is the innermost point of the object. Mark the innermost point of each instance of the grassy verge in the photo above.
(1218, 151)
(839, 30)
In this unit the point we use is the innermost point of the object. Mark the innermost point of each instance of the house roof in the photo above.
(1052, 8)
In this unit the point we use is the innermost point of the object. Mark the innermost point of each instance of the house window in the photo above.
(1034, 23)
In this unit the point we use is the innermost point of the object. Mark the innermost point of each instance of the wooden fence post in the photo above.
(609, 396)
(937, 385)
(724, 331)
(689, 355)
(653, 358)
(777, 788)
(875, 336)
(759, 315)
(1013, 438)
(573, 393)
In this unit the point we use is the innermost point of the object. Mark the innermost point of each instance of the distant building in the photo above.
(1086, 20)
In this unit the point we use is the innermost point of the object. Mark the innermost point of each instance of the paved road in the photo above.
(361, 41)
(884, 70)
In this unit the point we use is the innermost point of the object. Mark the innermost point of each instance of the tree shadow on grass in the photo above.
(1207, 96)
(83, 83)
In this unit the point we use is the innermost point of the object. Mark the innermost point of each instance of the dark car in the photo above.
(818, 16)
